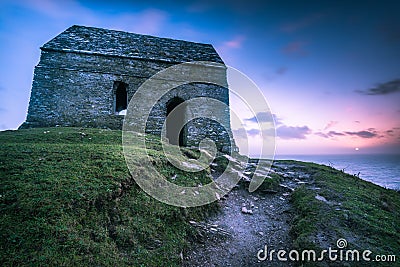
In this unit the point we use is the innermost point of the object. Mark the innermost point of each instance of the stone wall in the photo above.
(77, 89)
(74, 82)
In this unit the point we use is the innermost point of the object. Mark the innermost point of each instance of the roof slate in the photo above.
(89, 40)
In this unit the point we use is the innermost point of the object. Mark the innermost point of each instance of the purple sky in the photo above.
(330, 71)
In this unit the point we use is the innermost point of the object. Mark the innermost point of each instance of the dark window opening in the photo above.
(176, 121)
(121, 98)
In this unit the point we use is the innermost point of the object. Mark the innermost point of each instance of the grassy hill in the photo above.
(67, 199)
(333, 205)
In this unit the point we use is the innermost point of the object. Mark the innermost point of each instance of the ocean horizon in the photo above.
(380, 169)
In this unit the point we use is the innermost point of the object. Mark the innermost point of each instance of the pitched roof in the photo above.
(82, 39)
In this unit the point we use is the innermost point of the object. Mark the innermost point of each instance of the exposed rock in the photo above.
(246, 211)
(321, 198)
(206, 229)
(286, 187)
(269, 191)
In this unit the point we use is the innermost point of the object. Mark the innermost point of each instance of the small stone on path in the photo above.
(246, 211)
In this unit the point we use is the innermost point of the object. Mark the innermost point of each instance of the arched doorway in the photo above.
(176, 121)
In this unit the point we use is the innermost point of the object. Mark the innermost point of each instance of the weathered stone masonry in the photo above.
(84, 72)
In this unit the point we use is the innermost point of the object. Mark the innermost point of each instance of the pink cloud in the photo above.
(149, 21)
(364, 134)
(330, 134)
(330, 124)
(225, 49)
(369, 133)
(293, 132)
(302, 23)
(236, 42)
(295, 48)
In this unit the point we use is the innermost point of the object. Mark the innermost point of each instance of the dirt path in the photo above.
(269, 224)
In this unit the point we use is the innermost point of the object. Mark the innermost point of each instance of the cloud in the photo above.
(277, 120)
(302, 23)
(333, 133)
(235, 42)
(390, 132)
(382, 89)
(151, 21)
(55, 9)
(253, 132)
(242, 133)
(330, 124)
(330, 134)
(393, 133)
(148, 21)
(227, 49)
(265, 117)
(295, 48)
(364, 134)
(281, 70)
(275, 74)
(262, 117)
(252, 119)
(292, 132)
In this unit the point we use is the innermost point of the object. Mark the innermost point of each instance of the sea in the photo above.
(380, 169)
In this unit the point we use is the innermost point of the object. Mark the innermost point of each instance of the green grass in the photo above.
(67, 199)
(271, 182)
(366, 215)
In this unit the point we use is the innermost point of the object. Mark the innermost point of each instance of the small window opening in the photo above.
(121, 98)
